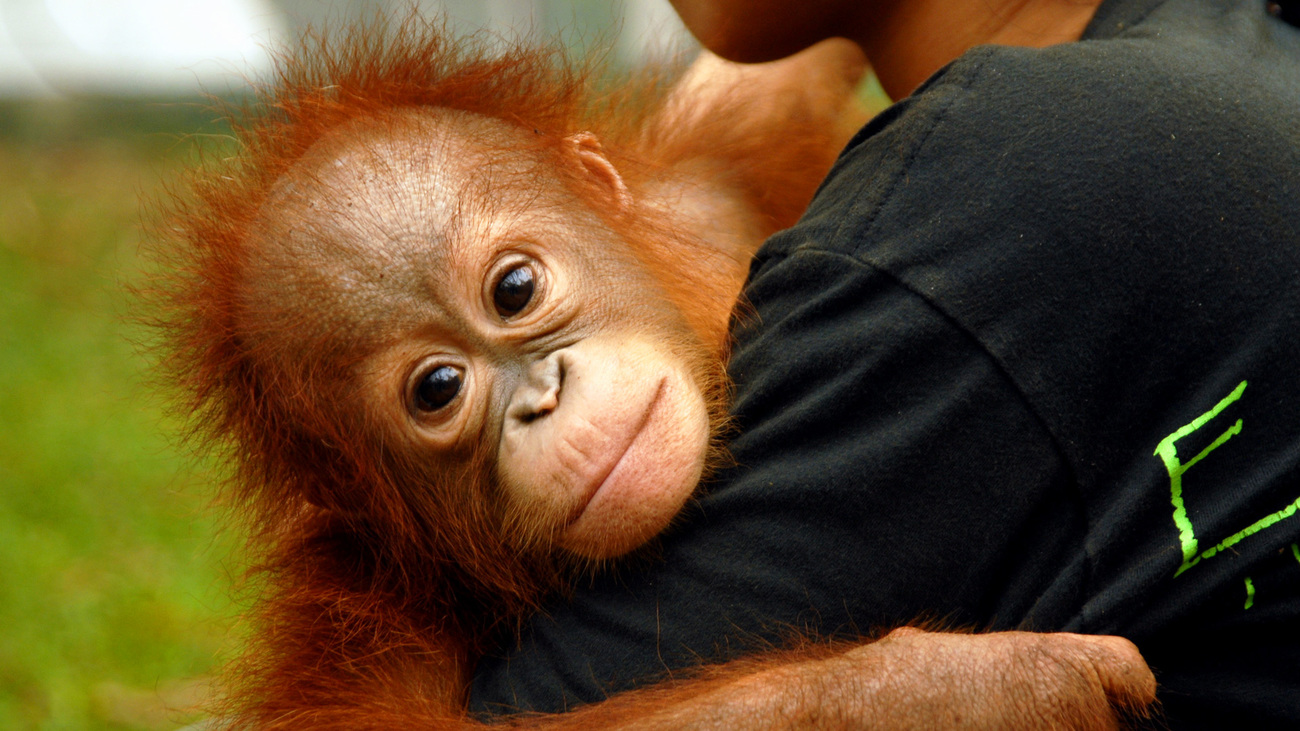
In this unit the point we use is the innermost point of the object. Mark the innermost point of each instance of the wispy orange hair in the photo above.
(284, 444)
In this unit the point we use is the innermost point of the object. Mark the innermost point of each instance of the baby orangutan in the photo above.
(462, 327)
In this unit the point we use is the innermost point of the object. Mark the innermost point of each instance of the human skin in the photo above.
(905, 40)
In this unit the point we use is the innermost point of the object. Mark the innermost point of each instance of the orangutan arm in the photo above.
(909, 679)
(360, 666)
(331, 656)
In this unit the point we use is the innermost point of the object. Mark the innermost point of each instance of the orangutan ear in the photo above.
(585, 148)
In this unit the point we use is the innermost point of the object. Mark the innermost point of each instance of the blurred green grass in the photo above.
(114, 598)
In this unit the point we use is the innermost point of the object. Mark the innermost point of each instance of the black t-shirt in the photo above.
(1031, 360)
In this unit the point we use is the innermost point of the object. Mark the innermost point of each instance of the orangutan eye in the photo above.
(513, 292)
(438, 388)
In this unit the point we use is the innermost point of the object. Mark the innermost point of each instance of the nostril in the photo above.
(528, 410)
(533, 404)
(548, 401)
(539, 393)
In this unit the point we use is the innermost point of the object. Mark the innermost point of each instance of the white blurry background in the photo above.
(51, 48)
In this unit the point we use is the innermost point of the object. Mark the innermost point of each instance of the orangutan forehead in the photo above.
(382, 195)
(379, 217)
(407, 188)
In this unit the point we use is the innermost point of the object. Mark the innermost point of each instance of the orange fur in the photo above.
(377, 596)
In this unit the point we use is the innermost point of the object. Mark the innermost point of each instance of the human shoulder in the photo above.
(1019, 136)
(1012, 104)
(999, 130)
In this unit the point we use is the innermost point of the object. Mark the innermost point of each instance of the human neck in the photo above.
(908, 40)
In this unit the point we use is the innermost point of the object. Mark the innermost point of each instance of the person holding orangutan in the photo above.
(1028, 361)
(463, 330)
